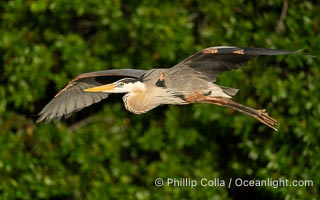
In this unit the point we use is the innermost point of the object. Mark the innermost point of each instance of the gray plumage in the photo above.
(190, 81)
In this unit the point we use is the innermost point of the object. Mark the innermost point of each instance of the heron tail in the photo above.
(229, 91)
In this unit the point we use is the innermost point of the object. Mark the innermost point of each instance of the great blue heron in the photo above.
(190, 81)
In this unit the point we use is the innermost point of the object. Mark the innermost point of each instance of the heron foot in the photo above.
(264, 118)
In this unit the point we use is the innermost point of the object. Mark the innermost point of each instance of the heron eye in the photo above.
(121, 84)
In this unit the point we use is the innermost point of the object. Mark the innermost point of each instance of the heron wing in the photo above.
(72, 98)
(214, 60)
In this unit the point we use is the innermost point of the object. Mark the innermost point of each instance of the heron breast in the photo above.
(137, 103)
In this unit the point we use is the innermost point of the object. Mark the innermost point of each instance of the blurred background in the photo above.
(105, 152)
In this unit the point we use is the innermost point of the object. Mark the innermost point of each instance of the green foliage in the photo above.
(104, 152)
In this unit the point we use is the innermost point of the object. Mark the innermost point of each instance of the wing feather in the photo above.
(72, 98)
(214, 60)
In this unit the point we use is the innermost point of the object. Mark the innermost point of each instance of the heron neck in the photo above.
(138, 103)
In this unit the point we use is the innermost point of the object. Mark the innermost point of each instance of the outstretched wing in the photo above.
(72, 98)
(214, 60)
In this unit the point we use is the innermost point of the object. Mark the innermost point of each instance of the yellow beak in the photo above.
(102, 88)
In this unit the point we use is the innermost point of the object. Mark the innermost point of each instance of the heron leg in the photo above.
(260, 115)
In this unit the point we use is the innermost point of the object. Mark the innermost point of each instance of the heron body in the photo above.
(150, 92)
(190, 81)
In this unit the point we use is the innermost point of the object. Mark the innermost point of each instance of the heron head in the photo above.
(121, 86)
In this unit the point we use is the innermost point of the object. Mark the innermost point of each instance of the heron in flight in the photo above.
(190, 81)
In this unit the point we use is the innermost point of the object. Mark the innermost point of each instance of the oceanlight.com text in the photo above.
(231, 182)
